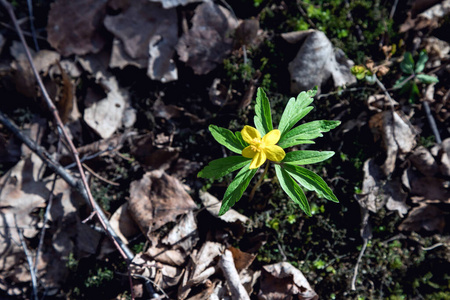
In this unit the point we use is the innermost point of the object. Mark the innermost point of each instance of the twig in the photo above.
(432, 247)
(237, 290)
(33, 30)
(100, 177)
(258, 183)
(432, 122)
(127, 255)
(29, 260)
(46, 215)
(64, 174)
(366, 234)
(305, 15)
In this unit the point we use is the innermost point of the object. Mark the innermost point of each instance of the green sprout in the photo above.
(257, 146)
(407, 83)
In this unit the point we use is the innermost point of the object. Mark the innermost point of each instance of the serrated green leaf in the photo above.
(295, 110)
(223, 166)
(427, 79)
(226, 138)
(307, 131)
(305, 157)
(407, 64)
(311, 181)
(420, 65)
(291, 188)
(263, 116)
(236, 188)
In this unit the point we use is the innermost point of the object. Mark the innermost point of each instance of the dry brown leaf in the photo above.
(429, 18)
(425, 216)
(430, 190)
(106, 116)
(212, 205)
(379, 102)
(157, 199)
(422, 159)
(316, 62)
(81, 32)
(397, 133)
(283, 281)
(208, 42)
(175, 3)
(242, 260)
(184, 234)
(148, 35)
(377, 191)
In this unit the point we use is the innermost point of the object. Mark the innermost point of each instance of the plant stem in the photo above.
(252, 193)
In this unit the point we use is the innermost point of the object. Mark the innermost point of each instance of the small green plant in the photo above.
(262, 144)
(413, 75)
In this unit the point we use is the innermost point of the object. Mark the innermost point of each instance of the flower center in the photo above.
(257, 145)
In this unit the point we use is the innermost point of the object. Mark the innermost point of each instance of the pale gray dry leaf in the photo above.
(174, 3)
(157, 199)
(317, 61)
(377, 191)
(106, 116)
(184, 234)
(422, 159)
(397, 133)
(425, 216)
(208, 42)
(284, 281)
(380, 102)
(148, 35)
(74, 27)
(212, 205)
(445, 158)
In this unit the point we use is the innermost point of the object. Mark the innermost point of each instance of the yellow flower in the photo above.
(261, 149)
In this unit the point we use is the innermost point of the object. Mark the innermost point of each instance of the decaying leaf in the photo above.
(157, 199)
(146, 37)
(427, 19)
(377, 191)
(208, 41)
(316, 62)
(422, 159)
(380, 102)
(175, 3)
(81, 32)
(212, 205)
(425, 216)
(397, 133)
(105, 116)
(184, 234)
(283, 281)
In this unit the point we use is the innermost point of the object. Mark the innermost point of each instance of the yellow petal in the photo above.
(274, 153)
(248, 152)
(258, 160)
(272, 137)
(249, 133)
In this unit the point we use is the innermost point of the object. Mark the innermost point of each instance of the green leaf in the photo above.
(263, 116)
(423, 58)
(305, 157)
(295, 110)
(427, 79)
(306, 132)
(222, 166)
(400, 82)
(311, 181)
(226, 138)
(291, 188)
(236, 188)
(407, 64)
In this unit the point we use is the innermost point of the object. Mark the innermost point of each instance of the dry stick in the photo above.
(125, 252)
(64, 174)
(33, 30)
(432, 122)
(29, 260)
(226, 263)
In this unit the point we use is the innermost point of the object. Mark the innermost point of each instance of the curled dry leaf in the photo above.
(425, 216)
(212, 205)
(81, 32)
(283, 281)
(422, 159)
(397, 133)
(208, 42)
(157, 199)
(146, 35)
(105, 116)
(175, 3)
(316, 62)
(184, 234)
(377, 191)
